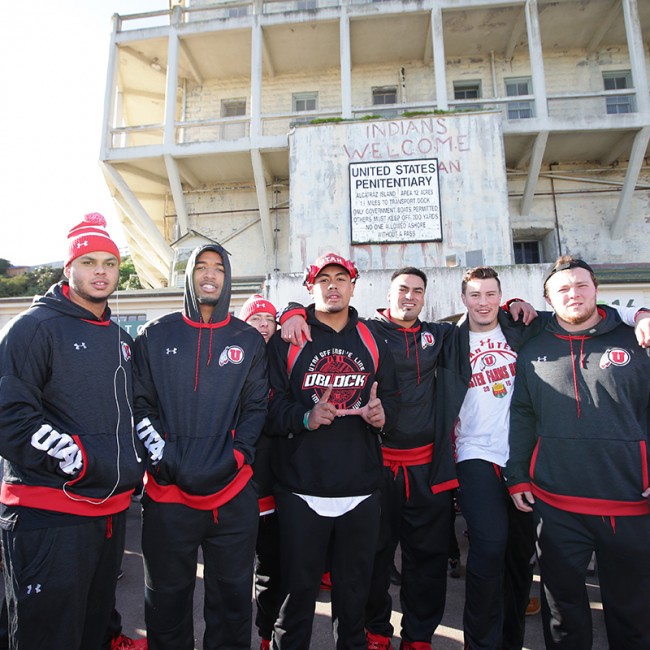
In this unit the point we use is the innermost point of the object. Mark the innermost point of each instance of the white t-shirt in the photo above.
(484, 419)
(332, 506)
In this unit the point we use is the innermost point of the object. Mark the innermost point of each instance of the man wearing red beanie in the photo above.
(260, 314)
(71, 458)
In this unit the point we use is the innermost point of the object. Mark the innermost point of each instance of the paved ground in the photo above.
(448, 636)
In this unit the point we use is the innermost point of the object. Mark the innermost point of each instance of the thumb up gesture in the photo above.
(323, 412)
(372, 412)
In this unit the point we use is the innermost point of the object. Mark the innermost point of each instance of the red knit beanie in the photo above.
(256, 304)
(90, 236)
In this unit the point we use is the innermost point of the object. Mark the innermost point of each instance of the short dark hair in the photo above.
(568, 262)
(479, 273)
(410, 270)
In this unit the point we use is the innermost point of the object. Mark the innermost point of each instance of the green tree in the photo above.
(128, 275)
(43, 277)
(32, 283)
(4, 265)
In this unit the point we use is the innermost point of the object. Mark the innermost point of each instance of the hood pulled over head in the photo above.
(191, 308)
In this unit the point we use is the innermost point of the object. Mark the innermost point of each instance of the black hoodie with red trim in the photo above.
(580, 420)
(343, 458)
(416, 350)
(65, 371)
(203, 389)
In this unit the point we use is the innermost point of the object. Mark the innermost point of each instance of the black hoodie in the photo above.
(580, 418)
(416, 350)
(344, 457)
(203, 389)
(64, 368)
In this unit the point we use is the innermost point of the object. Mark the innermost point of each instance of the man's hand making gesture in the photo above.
(372, 412)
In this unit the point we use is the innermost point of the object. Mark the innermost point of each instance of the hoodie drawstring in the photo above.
(574, 359)
(210, 350)
(417, 355)
(198, 357)
(415, 347)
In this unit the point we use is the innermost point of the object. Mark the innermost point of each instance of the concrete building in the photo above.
(438, 133)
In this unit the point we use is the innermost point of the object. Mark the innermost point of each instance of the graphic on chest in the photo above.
(341, 370)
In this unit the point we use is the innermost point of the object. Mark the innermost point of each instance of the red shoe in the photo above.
(414, 645)
(265, 644)
(326, 582)
(377, 642)
(534, 607)
(125, 643)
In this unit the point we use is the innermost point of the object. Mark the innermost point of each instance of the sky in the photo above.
(53, 64)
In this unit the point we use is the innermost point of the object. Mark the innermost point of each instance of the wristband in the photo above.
(641, 310)
(305, 421)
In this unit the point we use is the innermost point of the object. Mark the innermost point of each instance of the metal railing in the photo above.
(565, 106)
(227, 9)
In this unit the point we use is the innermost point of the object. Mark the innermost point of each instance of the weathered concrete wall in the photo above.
(578, 214)
(472, 176)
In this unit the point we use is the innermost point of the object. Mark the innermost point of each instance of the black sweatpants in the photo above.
(171, 536)
(498, 575)
(268, 576)
(351, 540)
(421, 525)
(60, 583)
(566, 542)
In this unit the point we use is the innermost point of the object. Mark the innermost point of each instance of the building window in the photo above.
(303, 5)
(303, 102)
(233, 108)
(527, 252)
(468, 90)
(236, 12)
(619, 80)
(514, 88)
(131, 323)
(384, 95)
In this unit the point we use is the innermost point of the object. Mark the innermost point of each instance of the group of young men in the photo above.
(362, 429)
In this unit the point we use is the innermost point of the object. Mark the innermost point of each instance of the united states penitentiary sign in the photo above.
(394, 201)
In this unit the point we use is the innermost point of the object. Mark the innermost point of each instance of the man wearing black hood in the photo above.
(201, 393)
(71, 459)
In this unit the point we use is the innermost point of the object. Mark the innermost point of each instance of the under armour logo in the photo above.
(34, 589)
(541, 359)
(78, 346)
(82, 243)
(171, 350)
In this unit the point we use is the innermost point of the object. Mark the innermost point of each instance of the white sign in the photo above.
(395, 201)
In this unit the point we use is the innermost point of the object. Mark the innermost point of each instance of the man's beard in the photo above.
(94, 299)
(207, 300)
(578, 319)
(98, 300)
(333, 309)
